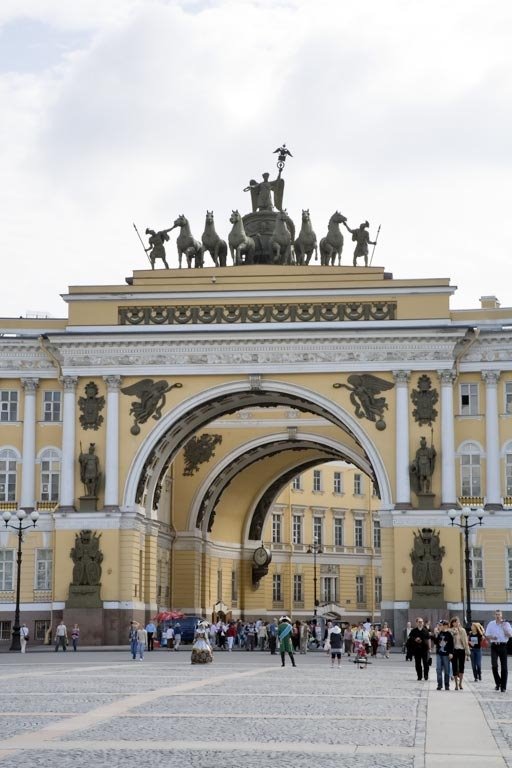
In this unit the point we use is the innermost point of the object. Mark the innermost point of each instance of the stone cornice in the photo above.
(231, 353)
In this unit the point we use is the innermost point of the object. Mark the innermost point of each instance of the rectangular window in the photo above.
(376, 534)
(357, 484)
(298, 595)
(297, 529)
(219, 585)
(318, 530)
(469, 399)
(476, 562)
(470, 470)
(7, 479)
(508, 397)
(276, 528)
(358, 533)
(44, 569)
(508, 474)
(378, 590)
(338, 531)
(297, 483)
(337, 483)
(277, 594)
(5, 630)
(6, 570)
(234, 587)
(317, 480)
(51, 406)
(509, 567)
(41, 627)
(50, 476)
(8, 405)
(328, 589)
(360, 596)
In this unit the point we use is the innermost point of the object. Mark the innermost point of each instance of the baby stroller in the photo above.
(361, 655)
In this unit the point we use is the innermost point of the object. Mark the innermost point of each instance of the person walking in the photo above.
(75, 636)
(303, 637)
(418, 645)
(177, 636)
(132, 638)
(24, 636)
(272, 636)
(336, 641)
(169, 636)
(460, 651)
(142, 641)
(348, 639)
(498, 633)
(61, 637)
(284, 632)
(443, 640)
(150, 630)
(475, 637)
(231, 635)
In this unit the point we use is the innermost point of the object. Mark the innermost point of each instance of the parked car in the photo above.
(188, 626)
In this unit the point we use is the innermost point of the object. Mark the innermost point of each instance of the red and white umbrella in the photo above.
(169, 615)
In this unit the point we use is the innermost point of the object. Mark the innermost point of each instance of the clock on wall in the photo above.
(261, 557)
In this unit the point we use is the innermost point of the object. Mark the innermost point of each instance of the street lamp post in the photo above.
(466, 526)
(315, 549)
(19, 528)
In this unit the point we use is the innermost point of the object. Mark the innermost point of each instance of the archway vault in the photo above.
(305, 450)
(172, 432)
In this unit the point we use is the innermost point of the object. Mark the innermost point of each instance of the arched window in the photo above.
(50, 474)
(471, 483)
(8, 461)
(508, 469)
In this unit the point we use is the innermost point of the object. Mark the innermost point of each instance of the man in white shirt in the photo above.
(23, 637)
(61, 637)
(498, 633)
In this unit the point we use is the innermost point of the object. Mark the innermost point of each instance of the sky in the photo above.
(135, 111)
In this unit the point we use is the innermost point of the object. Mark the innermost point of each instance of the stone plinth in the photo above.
(426, 500)
(90, 622)
(88, 503)
(86, 596)
(428, 597)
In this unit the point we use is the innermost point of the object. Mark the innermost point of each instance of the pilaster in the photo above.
(67, 490)
(492, 448)
(403, 483)
(448, 485)
(27, 498)
(112, 441)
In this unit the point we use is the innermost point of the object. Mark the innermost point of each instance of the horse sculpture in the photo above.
(186, 244)
(332, 244)
(212, 243)
(281, 241)
(239, 243)
(305, 245)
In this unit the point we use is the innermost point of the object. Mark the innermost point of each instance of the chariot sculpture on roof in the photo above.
(266, 235)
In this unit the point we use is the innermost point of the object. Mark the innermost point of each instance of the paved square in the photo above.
(99, 708)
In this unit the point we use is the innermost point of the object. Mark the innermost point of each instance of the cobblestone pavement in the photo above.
(244, 709)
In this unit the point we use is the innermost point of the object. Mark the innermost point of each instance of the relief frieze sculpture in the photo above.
(364, 389)
(323, 312)
(91, 405)
(151, 395)
(199, 450)
(424, 398)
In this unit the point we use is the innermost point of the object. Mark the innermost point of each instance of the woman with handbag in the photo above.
(476, 639)
(460, 651)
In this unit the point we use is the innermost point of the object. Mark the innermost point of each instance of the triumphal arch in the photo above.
(156, 425)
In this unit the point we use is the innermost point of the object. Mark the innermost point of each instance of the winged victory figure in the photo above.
(364, 388)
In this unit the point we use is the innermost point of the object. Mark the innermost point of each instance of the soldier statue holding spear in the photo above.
(156, 248)
(362, 239)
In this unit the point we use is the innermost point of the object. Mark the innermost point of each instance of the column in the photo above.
(492, 440)
(67, 487)
(27, 498)
(403, 484)
(112, 449)
(448, 485)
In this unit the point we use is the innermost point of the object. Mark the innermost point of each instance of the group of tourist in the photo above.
(454, 646)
